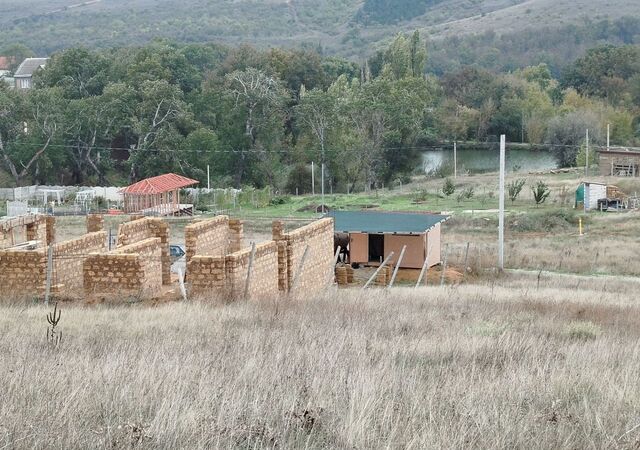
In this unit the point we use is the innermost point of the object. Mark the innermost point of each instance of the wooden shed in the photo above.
(158, 196)
(619, 162)
(588, 194)
(373, 235)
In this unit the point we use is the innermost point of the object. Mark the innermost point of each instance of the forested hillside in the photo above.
(260, 117)
(495, 34)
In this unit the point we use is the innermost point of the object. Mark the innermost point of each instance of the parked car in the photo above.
(176, 252)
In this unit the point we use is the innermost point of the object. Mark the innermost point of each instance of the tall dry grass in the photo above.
(488, 366)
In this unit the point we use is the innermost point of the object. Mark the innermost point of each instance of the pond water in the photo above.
(487, 160)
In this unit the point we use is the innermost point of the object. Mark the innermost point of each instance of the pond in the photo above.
(484, 160)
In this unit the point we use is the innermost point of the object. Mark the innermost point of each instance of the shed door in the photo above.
(359, 248)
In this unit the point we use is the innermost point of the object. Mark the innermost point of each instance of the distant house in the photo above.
(619, 161)
(373, 235)
(158, 196)
(26, 70)
(5, 69)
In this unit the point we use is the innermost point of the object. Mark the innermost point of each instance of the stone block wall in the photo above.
(218, 236)
(95, 223)
(316, 273)
(129, 271)
(149, 227)
(207, 238)
(226, 277)
(263, 283)
(17, 230)
(23, 272)
(207, 275)
(68, 262)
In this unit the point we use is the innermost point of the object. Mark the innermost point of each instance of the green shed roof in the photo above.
(384, 222)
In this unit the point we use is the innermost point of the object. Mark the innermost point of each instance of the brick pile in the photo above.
(95, 223)
(68, 262)
(129, 271)
(145, 228)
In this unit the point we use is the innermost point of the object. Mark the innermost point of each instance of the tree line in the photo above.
(260, 117)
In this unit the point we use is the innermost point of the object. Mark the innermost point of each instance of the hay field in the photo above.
(505, 364)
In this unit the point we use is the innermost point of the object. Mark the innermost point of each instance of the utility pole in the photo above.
(208, 179)
(608, 133)
(586, 162)
(322, 176)
(501, 215)
(455, 160)
(313, 179)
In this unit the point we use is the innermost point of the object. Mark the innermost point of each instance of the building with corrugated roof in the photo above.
(25, 71)
(373, 235)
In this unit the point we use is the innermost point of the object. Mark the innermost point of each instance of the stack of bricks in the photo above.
(130, 271)
(341, 276)
(145, 228)
(317, 269)
(23, 272)
(95, 223)
(263, 282)
(68, 263)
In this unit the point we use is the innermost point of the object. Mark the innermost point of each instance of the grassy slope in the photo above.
(275, 22)
(468, 367)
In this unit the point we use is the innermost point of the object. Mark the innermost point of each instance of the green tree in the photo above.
(449, 187)
(540, 192)
(514, 188)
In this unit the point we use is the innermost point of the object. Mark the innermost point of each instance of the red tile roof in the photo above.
(159, 184)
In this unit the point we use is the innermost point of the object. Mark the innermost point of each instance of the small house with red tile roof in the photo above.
(158, 196)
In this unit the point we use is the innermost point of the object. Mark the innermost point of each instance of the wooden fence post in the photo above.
(384, 263)
(425, 267)
(248, 279)
(300, 267)
(444, 264)
(47, 291)
(395, 270)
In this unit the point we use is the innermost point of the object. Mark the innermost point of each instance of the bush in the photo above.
(448, 187)
(547, 221)
(515, 187)
(540, 192)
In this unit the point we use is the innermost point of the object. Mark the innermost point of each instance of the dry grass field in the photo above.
(503, 364)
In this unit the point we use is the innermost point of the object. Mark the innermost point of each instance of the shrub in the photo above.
(540, 192)
(448, 187)
(515, 187)
(300, 179)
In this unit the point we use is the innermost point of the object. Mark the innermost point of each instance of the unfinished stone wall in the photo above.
(95, 223)
(129, 271)
(218, 236)
(207, 275)
(23, 272)
(263, 283)
(317, 270)
(68, 262)
(219, 276)
(17, 230)
(150, 227)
